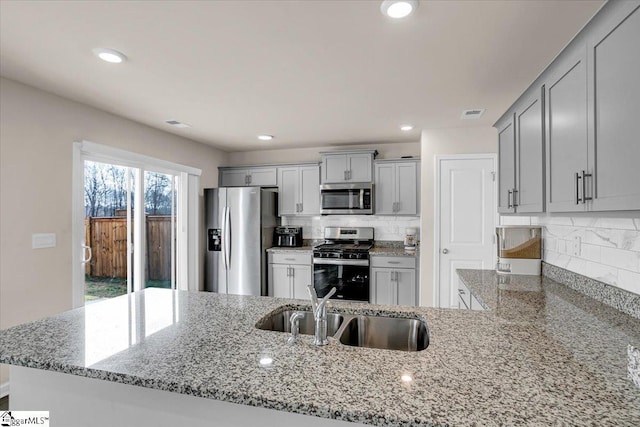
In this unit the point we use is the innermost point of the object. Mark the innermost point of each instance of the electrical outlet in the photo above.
(577, 246)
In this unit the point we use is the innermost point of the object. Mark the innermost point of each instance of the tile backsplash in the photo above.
(605, 249)
(386, 227)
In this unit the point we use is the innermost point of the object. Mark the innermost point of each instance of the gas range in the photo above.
(342, 261)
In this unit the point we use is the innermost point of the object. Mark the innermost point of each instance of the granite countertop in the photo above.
(556, 357)
(393, 251)
(276, 250)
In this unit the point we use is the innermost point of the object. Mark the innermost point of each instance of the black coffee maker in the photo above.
(289, 237)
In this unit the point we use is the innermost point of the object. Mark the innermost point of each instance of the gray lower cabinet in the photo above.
(346, 167)
(397, 187)
(566, 132)
(289, 275)
(242, 177)
(299, 190)
(466, 300)
(614, 109)
(393, 281)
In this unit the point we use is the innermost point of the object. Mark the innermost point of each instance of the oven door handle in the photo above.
(325, 261)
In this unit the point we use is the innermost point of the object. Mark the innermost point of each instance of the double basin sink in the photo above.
(388, 333)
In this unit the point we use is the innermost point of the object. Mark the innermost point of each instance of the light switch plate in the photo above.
(43, 240)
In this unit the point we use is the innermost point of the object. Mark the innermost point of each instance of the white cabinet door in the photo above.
(279, 280)
(288, 191)
(262, 177)
(359, 167)
(334, 168)
(309, 190)
(406, 180)
(301, 279)
(233, 178)
(382, 290)
(405, 281)
(385, 197)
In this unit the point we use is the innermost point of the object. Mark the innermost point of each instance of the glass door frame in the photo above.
(187, 219)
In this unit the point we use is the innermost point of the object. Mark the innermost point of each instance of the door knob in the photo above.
(445, 251)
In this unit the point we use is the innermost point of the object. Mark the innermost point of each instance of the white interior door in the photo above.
(467, 214)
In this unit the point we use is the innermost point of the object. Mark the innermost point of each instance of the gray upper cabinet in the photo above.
(347, 166)
(614, 105)
(299, 190)
(590, 105)
(506, 164)
(248, 176)
(397, 187)
(566, 132)
(528, 196)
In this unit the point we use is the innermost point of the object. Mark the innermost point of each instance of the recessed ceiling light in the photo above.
(265, 137)
(177, 124)
(406, 128)
(398, 8)
(109, 55)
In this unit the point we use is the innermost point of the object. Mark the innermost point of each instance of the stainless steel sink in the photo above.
(387, 333)
(280, 322)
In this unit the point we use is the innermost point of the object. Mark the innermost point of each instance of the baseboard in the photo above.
(4, 389)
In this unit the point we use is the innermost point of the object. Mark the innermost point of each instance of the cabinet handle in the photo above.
(250, 178)
(393, 262)
(578, 178)
(397, 206)
(584, 187)
(509, 193)
(345, 175)
(515, 192)
(293, 272)
(393, 207)
(301, 207)
(349, 174)
(289, 259)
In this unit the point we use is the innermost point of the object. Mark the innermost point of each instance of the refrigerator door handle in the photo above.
(227, 238)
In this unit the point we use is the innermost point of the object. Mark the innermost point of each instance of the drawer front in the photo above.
(290, 258)
(393, 261)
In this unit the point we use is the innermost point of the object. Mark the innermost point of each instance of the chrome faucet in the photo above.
(320, 314)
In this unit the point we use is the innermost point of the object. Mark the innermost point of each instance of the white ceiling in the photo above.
(309, 72)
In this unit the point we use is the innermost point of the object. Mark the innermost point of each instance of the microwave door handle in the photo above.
(362, 198)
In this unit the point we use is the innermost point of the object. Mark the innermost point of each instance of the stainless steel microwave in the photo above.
(346, 199)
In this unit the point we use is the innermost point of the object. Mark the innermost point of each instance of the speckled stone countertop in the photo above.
(277, 250)
(554, 359)
(392, 251)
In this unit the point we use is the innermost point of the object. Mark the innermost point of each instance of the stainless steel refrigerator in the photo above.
(239, 222)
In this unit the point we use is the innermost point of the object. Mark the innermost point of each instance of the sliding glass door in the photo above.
(113, 247)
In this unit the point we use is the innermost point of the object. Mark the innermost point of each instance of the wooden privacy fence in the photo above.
(107, 238)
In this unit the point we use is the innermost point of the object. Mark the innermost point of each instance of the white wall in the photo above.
(439, 142)
(293, 155)
(608, 249)
(37, 130)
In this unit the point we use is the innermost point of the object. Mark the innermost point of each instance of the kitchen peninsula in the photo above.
(541, 354)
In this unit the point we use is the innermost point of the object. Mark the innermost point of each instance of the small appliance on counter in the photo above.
(289, 237)
(519, 249)
(410, 239)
